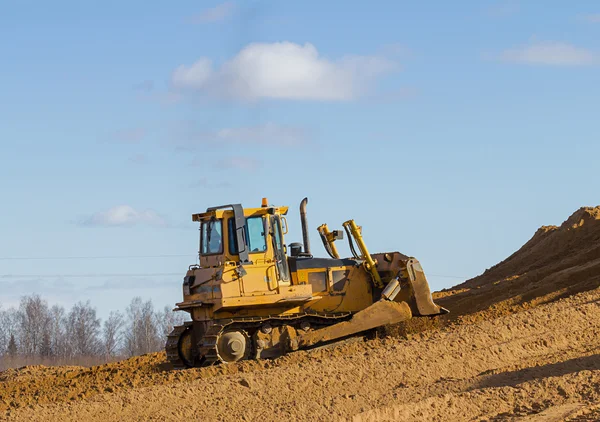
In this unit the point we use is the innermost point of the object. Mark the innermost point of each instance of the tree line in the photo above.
(35, 332)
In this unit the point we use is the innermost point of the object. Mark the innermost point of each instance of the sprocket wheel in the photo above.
(186, 350)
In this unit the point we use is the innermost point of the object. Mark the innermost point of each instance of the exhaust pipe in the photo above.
(304, 223)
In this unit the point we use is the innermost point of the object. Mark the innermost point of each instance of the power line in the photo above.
(90, 275)
(26, 258)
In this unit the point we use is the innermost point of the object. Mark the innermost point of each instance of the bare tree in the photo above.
(34, 330)
(57, 330)
(113, 333)
(8, 328)
(12, 350)
(32, 321)
(142, 334)
(83, 329)
(4, 332)
(169, 319)
(46, 346)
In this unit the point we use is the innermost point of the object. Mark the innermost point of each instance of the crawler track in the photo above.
(172, 347)
(207, 346)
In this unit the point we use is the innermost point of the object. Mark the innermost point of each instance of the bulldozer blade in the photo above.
(380, 313)
(423, 302)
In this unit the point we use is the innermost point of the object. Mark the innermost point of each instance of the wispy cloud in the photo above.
(592, 18)
(283, 70)
(130, 136)
(238, 163)
(215, 14)
(549, 53)
(131, 284)
(188, 137)
(56, 290)
(123, 215)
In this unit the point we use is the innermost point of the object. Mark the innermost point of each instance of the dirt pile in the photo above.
(556, 262)
(542, 360)
(31, 385)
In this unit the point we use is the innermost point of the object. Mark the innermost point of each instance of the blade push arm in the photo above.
(370, 263)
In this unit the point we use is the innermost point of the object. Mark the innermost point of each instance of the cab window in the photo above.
(211, 237)
(255, 235)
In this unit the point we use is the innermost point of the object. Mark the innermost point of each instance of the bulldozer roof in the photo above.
(248, 212)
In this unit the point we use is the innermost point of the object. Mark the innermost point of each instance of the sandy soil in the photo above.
(522, 343)
(556, 262)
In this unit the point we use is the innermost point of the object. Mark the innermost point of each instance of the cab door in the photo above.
(281, 264)
(260, 275)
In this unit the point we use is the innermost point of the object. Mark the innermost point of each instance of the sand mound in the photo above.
(542, 360)
(556, 262)
(39, 384)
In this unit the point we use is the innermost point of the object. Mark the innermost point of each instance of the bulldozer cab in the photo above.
(253, 237)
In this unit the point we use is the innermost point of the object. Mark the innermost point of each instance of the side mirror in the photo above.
(284, 225)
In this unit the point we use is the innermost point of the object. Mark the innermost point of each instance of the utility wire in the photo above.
(27, 258)
(39, 258)
(89, 275)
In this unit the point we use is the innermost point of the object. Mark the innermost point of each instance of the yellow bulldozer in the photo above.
(252, 297)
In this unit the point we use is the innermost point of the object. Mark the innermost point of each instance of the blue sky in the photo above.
(449, 131)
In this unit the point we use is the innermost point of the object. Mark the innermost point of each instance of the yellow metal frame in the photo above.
(370, 264)
(329, 236)
(248, 212)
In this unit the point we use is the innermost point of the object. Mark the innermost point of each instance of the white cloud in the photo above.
(269, 134)
(215, 14)
(195, 76)
(283, 70)
(549, 53)
(124, 215)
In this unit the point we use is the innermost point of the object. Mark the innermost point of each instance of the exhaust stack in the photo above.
(304, 223)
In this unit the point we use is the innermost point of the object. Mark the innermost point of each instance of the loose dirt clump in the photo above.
(407, 329)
